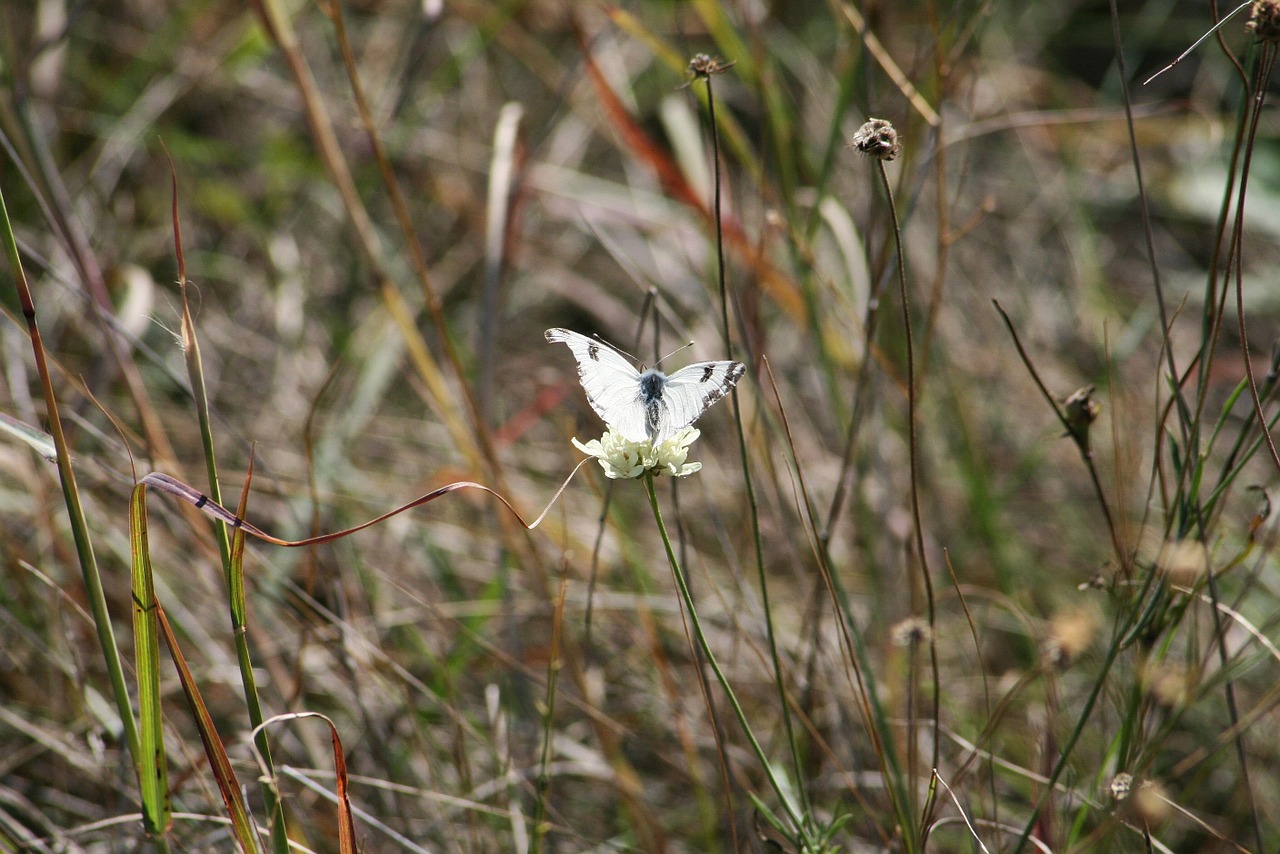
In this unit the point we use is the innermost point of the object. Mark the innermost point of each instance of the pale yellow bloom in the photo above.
(621, 458)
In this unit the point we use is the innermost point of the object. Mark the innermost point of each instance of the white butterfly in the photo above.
(645, 405)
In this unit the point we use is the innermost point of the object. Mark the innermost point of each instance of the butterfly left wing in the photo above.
(611, 382)
(690, 391)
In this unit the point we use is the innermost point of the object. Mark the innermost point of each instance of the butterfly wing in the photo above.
(690, 391)
(611, 382)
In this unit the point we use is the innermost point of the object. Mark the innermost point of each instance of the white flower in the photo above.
(622, 458)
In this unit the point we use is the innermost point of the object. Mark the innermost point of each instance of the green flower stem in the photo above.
(685, 595)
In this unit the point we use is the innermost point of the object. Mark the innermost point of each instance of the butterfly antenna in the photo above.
(672, 353)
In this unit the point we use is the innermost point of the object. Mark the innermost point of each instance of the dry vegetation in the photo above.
(384, 204)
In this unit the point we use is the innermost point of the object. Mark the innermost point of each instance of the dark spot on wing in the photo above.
(727, 382)
(593, 351)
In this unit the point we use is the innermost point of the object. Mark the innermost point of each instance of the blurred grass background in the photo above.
(555, 170)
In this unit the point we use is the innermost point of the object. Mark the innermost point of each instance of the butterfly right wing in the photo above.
(611, 382)
(691, 390)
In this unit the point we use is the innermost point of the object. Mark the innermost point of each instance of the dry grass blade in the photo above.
(501, 209)
(215, 751)
(178, 489)
(347, 838)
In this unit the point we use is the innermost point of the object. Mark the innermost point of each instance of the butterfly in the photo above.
(645, 405)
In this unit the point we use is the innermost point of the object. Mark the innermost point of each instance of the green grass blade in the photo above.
(232, 560)
(71, 496)
(153, 768)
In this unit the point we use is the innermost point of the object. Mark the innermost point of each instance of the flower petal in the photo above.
(623, 459)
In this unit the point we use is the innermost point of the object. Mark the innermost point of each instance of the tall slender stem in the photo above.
(711, 67)
(783, 796)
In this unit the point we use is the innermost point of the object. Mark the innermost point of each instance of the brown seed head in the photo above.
(1264, 21)
(1080, 411)
(1150, 803)
(877, 138)
(1184, 562)
(1170, 685)
(1070, 634)
(1144, 801)
(704, 65)
(1121, 784)
(909, 632)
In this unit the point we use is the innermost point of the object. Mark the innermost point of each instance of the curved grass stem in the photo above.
(784, 797)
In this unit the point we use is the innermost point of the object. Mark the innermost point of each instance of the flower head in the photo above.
(1080, 411)
(621, 458)
(877, 138)
(1264, 21)
(911, 631)
(704, 65)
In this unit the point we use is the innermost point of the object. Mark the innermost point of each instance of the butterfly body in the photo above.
(648, 405)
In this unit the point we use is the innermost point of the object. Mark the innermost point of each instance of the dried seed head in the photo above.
(1150, 803)
(1121, 784)
(1081, 410)
(1169, 684)
(704, 65)
(1264, 21)
(1146, 800)
(878, 139)
(1070, 634)
(1096, 582)
(1183, 562)
(911, 631)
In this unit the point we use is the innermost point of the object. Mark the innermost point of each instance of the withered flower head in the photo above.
(1071, 633)
(1080, 411)
(704, 65)
(911, 631)
(1264, 20)
(1121, 785)
(877, 138)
